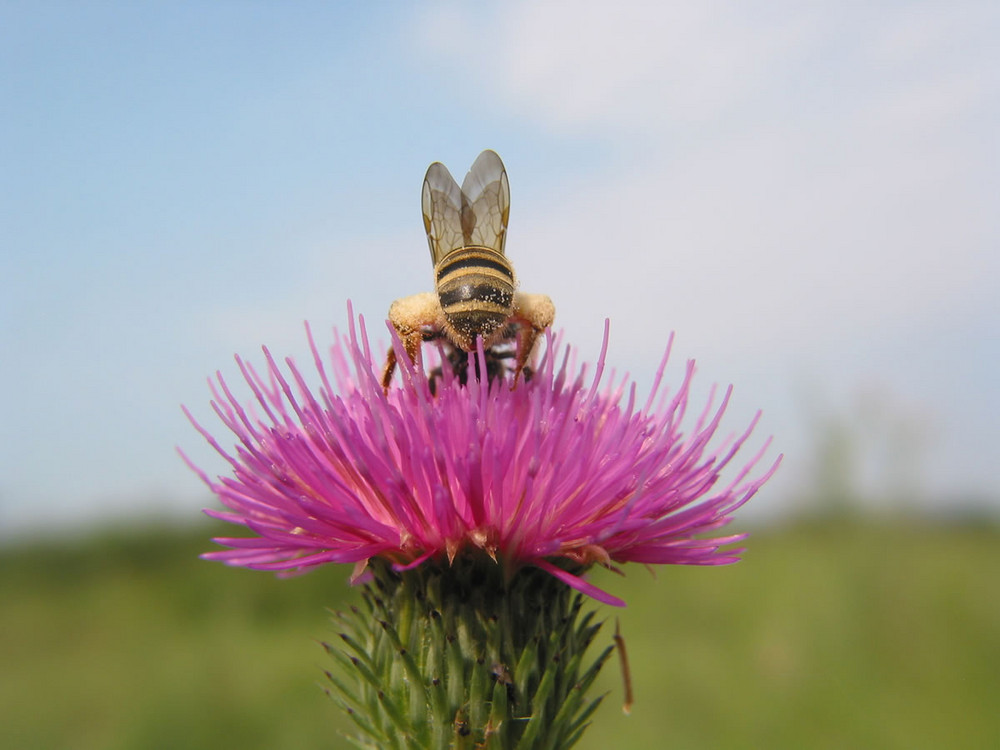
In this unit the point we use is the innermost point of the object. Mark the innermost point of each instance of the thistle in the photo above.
(471, 515)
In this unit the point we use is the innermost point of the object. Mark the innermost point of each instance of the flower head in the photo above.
(558, 473)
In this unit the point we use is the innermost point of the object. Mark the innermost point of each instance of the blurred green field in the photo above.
(839, 634)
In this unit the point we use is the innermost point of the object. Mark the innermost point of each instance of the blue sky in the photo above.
(807, 196)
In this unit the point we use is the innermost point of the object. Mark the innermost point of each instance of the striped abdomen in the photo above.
(475, 286)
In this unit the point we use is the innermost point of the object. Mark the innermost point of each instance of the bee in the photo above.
(457, 361)
(476, 295)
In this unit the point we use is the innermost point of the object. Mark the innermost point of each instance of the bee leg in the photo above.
(411, 341)
(432, 379)
(390, 368)
(408, 316)
(525, 343)
(534, 313)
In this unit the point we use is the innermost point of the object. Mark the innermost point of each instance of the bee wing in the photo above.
(485, 203)
(441, 202)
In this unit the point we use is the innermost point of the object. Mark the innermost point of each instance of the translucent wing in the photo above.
(441, 202)
(486, 202)
(475, 214)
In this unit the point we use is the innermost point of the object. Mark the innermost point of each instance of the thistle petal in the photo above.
(558, 473)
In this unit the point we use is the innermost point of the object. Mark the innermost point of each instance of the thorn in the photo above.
(626, 672)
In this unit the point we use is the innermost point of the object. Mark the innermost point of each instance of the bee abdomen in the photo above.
(475, 286)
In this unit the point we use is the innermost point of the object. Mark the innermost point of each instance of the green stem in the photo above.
(455, 656)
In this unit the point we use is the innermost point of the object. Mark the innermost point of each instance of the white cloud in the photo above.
(789, 189)
(775, 211)
(626, 67)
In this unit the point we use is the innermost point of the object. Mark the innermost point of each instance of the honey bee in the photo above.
(476, 294)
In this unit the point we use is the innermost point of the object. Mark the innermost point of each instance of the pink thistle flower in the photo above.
(559, 473)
